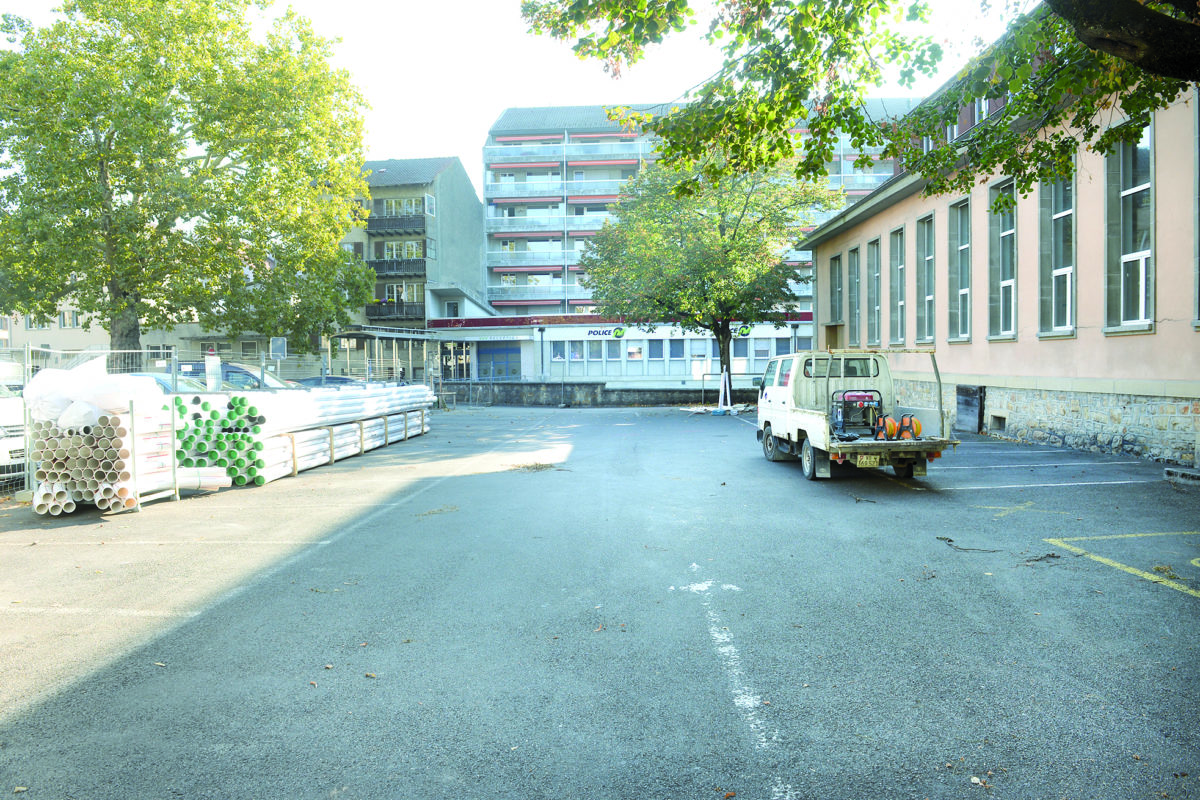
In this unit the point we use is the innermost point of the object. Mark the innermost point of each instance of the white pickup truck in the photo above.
(840, 406)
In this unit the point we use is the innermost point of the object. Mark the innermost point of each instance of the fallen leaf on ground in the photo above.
(159, 664)
(371, 675)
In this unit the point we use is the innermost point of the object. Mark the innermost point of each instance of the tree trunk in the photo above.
(723, 333)
(1127, 29)
(125, 339)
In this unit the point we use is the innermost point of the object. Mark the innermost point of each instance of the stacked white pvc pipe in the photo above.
(215, 440)
(258, 437)
(107, 465)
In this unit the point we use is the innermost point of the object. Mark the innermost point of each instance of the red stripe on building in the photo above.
(575, 136)
(525, 164)
(548, 198)
(532, 138)
(526, 302)
(582, 233)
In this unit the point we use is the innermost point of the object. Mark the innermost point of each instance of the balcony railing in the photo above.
(517, 153)
(585, 222)
(405, 223)
(594, 187)
(555, 292)
(607, 149)
(410, 311)
(531, 258)
(523, 189)
(389, 267)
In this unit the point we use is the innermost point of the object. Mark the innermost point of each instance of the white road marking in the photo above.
(745, 699)
(940, 468)
(1042, 485)
(87, 612)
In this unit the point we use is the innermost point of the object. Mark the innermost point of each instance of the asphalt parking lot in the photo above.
(576, 603)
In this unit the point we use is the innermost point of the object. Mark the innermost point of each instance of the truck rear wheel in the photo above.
(904, 470)
(808, 460)
(771, 445)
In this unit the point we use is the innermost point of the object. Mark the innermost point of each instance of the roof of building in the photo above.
(561, 118)
(407, 171)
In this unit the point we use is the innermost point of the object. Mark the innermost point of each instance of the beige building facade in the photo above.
(1073, 319)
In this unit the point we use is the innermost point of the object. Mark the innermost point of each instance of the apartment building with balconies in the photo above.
(549, 176)
(422, 238)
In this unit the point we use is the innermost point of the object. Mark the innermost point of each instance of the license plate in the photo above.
(867, 461)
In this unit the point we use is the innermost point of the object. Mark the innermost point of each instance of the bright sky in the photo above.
(437, 73)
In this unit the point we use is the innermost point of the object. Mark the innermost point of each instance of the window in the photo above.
(223, 349)
(68, 319)
(633, 351)
(835, 289)
(958, 271)
(389, 251)
(853, 298)
(249, 351)
(697, 347)
(558, 351)
(785, 371)
(740, 348)
(873, 292)
(430, 248)
(772, 371)
(575, 348)
(1129, 285)
(783, 345)
(896, 285)
(1002, 263)
(762, 348)
(925, 280)
(613, 350)
(393, 292)
(452, 308)
(981, 109)
(429, 205)
(1056, 267)
(655, 348)
(676, 349)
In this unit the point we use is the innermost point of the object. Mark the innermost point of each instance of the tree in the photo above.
(808, 65)
(158, 166)
(706, 260)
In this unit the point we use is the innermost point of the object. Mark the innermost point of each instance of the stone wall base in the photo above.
(586, 394)
(1157, 428)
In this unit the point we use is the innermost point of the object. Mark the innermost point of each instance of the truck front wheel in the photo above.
(771, 445)
(808, 460)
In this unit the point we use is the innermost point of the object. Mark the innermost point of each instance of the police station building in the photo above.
(594, 349)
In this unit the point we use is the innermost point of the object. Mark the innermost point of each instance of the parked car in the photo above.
(12, 434)
(182, 383)
(241, 377)
(330, 380)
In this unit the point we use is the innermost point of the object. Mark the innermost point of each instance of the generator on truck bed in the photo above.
(840, 406)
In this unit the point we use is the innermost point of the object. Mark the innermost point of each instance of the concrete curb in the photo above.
(1182, 477)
